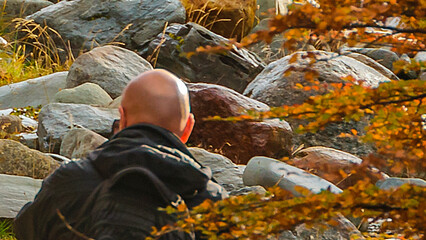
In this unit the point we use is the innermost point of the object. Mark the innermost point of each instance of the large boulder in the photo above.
(15, 192)
(17, 159)
(110, 67)
(78, 142)
(56, 119)
(273, 87)
(33, 92)
(22, 8)
(241, 140)
(382, 56)
(89, 23)
(328, 164)
(269, 172)
(228, 18)
(87, 93)
(235, 69)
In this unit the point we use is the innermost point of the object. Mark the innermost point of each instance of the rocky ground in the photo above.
(79, 106)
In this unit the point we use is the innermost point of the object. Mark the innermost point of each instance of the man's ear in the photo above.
(123, 119)
(188, 128)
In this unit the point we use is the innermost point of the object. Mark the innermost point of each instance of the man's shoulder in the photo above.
(73, 173)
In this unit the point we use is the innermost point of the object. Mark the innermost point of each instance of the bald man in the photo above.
(155, 122)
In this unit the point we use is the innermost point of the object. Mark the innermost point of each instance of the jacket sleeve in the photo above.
(65, 190)
(30, 223)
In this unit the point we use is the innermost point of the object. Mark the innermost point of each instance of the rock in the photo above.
(268, 52)
(328, 162)
(343, 229)
(87, 93)
(375, 65)
(33, 92)
(237, 15)
(394, 182)
(17, 159)
(10, 124)
(420, 56)
(56, 119)
(268, 138)
(423, 76)
(22, 8)
(264, 8)
(89, 23)
(235, 69)
(268, 172)
(224, 170)
(272, 87)
(115, 103)
(110, 67)
(15, 192)
(382, 56)
(78, 142)
(29, 139)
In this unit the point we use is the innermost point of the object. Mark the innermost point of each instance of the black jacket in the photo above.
(141, 145)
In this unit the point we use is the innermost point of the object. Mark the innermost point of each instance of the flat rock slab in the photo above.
(15, 192)
(33, 92)
(268, 172)
(56, 119)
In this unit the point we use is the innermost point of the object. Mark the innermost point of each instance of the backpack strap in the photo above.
(126, 176)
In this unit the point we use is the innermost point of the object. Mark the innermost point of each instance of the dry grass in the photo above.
(30, 51)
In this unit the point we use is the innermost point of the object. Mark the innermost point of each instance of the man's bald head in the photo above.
(156, 97)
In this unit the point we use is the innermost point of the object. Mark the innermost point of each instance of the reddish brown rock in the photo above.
(329, 163)
(238, 141)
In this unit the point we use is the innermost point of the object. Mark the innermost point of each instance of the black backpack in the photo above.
(126, 207)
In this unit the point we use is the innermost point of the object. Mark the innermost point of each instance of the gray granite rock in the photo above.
(274, 88)
(115, 103)
(15, 192)
(17, 159)
(382, 56)
(268, 172)
(33, 92)
(420, 56)
(87, 93)
(394, 182)
(110, 67)
(56, 119)
(90, 23)
(235, 69)
(373, 64)
(78, 142)
(224, 170)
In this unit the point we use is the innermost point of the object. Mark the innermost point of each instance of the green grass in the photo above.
(6, 230)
